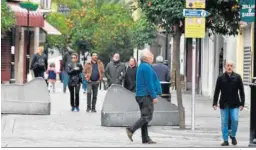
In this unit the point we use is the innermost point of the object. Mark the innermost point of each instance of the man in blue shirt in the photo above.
(147, 88)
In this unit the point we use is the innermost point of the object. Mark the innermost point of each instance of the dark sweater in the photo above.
(229, 87)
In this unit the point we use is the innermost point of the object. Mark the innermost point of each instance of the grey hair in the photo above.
(159, 59)
(144, 53)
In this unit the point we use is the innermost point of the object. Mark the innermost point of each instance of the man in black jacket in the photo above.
(229, 84)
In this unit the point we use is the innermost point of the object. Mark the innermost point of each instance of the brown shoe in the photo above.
(129, 134)
(149, 142)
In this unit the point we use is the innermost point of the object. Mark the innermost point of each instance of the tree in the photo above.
(168, 14)
(60, 22)
(143, 32)
(7, 17)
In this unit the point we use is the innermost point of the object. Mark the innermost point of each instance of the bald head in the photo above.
(229, 67)
(147, 56)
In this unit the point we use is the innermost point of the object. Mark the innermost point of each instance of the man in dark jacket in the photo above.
(39, 63)
(115, 71)
(229, 84)
(65, 62)
(162, 71)
(147, 88)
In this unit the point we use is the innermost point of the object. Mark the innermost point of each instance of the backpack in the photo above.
(41, 62)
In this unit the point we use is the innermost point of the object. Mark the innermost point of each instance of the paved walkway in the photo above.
(64, 128)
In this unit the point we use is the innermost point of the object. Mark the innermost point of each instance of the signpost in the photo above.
(195, 4)
(194, 28)
(195, 13)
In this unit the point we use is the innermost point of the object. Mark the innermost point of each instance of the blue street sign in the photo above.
(195, 13)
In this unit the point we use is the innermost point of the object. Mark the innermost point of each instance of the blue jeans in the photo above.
(234, 114)
(65, 78)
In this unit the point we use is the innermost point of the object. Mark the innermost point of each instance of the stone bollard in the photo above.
(31, 98)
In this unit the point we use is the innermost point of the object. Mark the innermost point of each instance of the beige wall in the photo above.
(240, 53)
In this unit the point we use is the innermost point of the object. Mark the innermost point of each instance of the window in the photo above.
(247, 65)
(45, 4)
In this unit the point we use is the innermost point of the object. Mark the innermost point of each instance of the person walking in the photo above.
(74, 71)
(130, 75)
(65, 62)
(39, 63)
(229, 84)
(84, 83)
(115, 71)
(93, 72)
(52, 74)
(147, 88)
(162, 71)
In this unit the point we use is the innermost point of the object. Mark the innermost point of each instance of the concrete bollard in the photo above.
(120, 109)
(31, 98)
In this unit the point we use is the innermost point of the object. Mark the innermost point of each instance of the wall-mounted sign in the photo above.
(247, 10)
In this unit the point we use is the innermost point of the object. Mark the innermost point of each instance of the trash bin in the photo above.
(253, 114)
(166, 90)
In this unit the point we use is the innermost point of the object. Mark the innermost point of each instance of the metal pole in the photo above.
(166, 47)
(193, 83)
(28, 43)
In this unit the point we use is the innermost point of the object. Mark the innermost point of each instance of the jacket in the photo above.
(229, 87)
(162, 72)
(74, 75)
(88, 70)
(36, 56)
(147, 83)
(130, 78)
(115, 73)
(66, 60)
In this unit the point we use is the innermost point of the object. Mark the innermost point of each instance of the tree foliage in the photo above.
(224, 18)
(58, 20)
(102, 27)
(7, 17)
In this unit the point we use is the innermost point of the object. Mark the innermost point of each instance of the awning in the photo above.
(36, 18)
(49, 29)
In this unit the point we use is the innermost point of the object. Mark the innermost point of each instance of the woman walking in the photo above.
(75, 80)
(130, 76)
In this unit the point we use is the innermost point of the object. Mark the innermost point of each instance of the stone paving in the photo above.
(64, 128)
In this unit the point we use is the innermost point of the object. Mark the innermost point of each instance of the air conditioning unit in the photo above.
(45, 4)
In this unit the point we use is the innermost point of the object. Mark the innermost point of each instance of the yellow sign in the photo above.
(195, 4)
(194, 27)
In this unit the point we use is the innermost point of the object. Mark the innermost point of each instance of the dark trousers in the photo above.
(38, 73)
(74, 95)
(146, 109)
(92, 93)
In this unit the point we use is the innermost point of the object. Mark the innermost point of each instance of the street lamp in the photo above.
(30, 6)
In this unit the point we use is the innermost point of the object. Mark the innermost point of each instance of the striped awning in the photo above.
(36, 18)
(49, 29)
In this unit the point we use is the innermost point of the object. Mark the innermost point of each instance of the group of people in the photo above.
(145, 81)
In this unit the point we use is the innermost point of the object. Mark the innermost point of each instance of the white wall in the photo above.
(182, 54)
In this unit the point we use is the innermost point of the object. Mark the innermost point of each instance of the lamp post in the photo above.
(30, 6)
